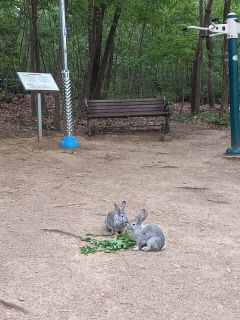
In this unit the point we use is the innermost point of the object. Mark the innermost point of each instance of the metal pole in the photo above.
(233, 83)
(68, 141)
(39, 106)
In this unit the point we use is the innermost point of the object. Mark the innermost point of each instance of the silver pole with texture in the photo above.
(68, 141)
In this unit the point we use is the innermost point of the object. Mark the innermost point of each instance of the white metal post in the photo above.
(39, 106)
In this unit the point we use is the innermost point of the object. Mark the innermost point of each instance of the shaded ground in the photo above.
(190, 189)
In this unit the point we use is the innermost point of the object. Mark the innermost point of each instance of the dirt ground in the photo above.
(189, 187)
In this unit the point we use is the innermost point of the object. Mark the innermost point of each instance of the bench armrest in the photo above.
(167, 108)
(86, 105)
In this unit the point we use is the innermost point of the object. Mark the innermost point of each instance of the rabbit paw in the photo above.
(136, 248)
(145, 248)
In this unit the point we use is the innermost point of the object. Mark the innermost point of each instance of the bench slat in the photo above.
(125, 108)
(127, 100)
(125, 103)
(127, 114)
(121, 113)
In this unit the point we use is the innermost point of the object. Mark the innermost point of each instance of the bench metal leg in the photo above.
(89, 127)
(167, 126)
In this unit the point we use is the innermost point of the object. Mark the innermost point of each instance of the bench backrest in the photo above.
(126, 108)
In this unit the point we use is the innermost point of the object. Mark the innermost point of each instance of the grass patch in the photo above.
(207, 117)
(184, 117)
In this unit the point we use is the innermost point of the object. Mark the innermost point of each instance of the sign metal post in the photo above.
(38, 82)
(39, 117)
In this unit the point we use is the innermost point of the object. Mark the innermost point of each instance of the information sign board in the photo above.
(37, 81)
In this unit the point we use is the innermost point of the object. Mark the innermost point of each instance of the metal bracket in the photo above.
(217, 28)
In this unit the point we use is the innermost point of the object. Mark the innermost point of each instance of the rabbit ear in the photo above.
(117, 208)
(142, 215)
(123, 205)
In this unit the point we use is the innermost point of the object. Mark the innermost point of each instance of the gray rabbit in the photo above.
(149, 237)
(117, 220)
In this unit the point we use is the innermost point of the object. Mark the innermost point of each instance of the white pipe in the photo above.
(198, 28)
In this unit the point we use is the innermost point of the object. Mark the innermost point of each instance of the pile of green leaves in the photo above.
(122, 241)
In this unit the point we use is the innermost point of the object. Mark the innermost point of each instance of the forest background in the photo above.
(119, 48)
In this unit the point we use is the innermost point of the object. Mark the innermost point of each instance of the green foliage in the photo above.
(207, 117)
(46, 125)
(214, 118)
(152, 55)
(122, 241)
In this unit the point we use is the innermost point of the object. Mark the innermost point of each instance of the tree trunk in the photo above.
(140, 47)
(225, 80)
(35, 58)
(109, 68)
(209, 45)
(109, 44)
(197, 67)
(96, 15)
(34, 43)
(211, 94)
(138, 68)
(96, 48)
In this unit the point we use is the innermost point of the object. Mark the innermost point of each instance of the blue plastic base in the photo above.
(232, 150)
(69, 142)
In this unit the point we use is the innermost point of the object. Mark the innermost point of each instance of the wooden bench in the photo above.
(152, 107)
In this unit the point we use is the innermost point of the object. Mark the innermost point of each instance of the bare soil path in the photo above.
(190, 188)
